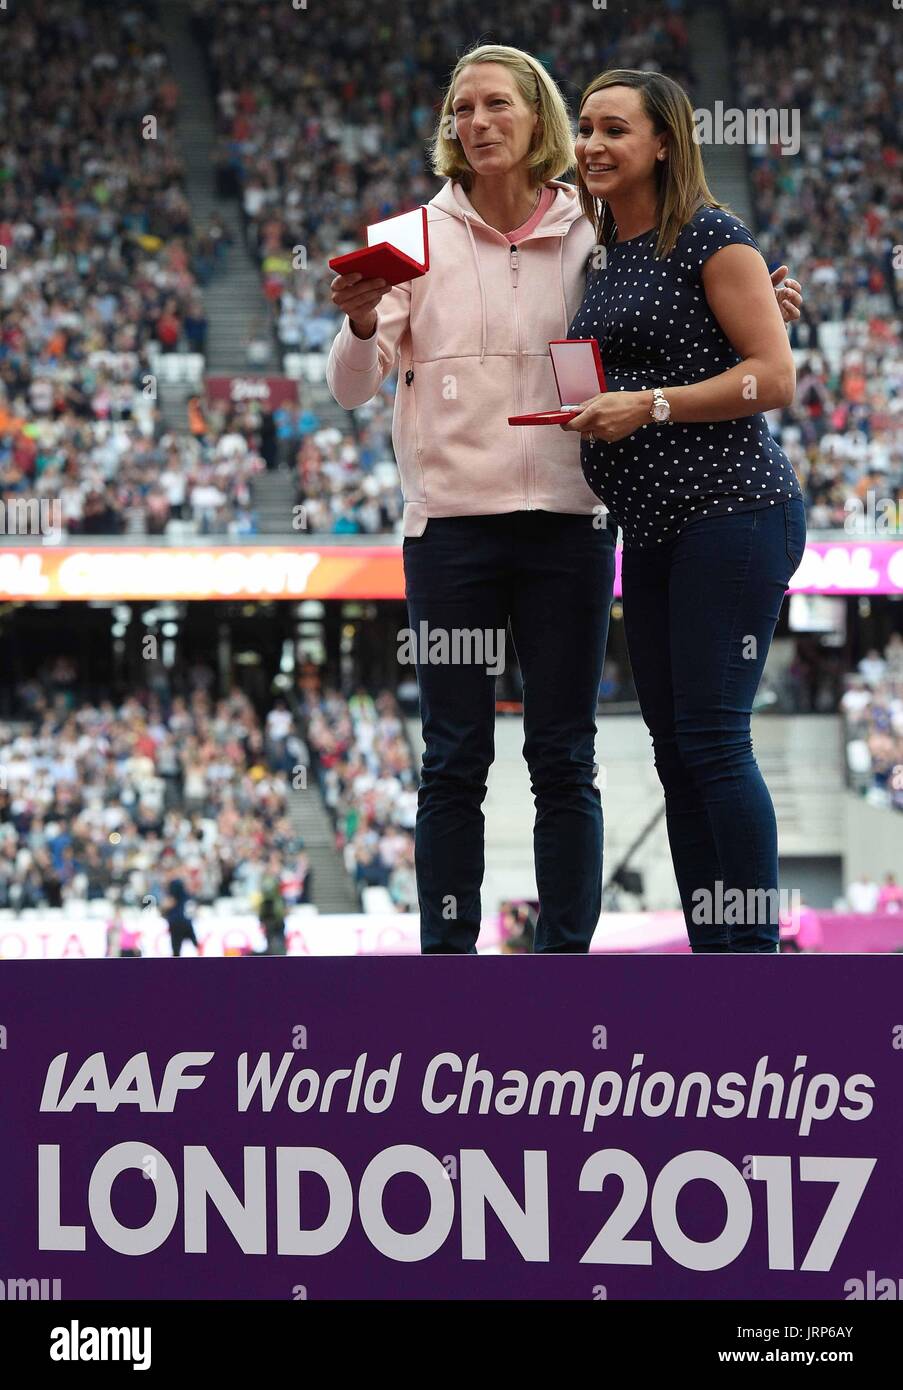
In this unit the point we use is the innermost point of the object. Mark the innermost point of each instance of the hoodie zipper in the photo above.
(513, 261)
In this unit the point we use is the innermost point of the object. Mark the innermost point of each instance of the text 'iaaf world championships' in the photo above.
(272, 1212)
(450, 1083)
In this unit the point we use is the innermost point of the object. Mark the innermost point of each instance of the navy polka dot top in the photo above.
(655, 328)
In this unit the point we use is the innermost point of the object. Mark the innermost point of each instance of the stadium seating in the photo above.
(101, 297)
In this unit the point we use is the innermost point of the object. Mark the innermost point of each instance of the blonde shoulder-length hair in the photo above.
(680, 178)
(552, 150)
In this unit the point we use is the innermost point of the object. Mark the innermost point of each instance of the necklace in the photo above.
(535, 205)
(532, 210)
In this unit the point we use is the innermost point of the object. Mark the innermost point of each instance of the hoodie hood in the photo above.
(563, 212)
(560, 216)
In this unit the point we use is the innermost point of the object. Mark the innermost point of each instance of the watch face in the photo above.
(661, 410)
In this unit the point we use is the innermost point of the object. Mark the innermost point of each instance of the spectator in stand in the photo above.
(272, 908)
(197, 420)
(297, 881)
(195, 326)
(177, 917)
(855, 701)
(862, 894)
(872, 707)
(258, 348)
(893, 657)
(872, 667)
(268, 447)
(168, 328)
(123, 939)
(890, 896)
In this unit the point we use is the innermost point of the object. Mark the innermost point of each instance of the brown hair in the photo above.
(680, 178)
(552, 153)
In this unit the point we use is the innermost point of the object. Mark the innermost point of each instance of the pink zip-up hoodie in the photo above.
(471, 338)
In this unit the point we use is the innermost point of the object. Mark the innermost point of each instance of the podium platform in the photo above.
(621, 1127)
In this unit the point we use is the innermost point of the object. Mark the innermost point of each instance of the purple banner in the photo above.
(573, 1128)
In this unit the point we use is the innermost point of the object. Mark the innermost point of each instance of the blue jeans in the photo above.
(550, 576)
(699, 614)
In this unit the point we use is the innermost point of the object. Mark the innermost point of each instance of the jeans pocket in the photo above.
(795, 531)
(407, 542)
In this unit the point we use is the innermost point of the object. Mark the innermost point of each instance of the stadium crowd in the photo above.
(103, 269)
(348, 483)
(366, 773)
(844, 432)
(872, 706)
(118, 798)
(832, 212)
(833, 208)
(115, 799)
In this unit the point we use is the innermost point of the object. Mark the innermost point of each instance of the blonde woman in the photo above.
(500, 528)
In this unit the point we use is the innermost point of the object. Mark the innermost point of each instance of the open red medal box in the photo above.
(579, 375)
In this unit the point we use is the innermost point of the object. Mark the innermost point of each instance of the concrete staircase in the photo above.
(725, 165)
(272, 500)
(173, 403)
(802, 760)
(331, 414)
(234, 299)
(800, 757)
(333, 890)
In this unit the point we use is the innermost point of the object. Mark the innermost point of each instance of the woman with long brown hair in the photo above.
(679, 451)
